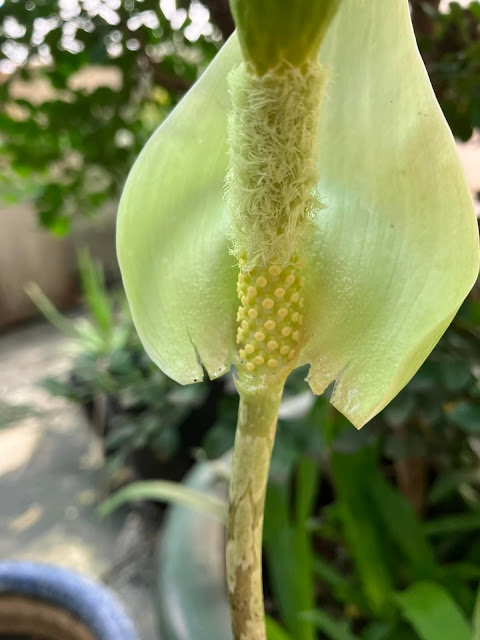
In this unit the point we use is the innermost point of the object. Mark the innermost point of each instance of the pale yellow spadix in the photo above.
(394, 250)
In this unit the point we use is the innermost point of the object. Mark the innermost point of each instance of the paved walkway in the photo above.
(51, 480)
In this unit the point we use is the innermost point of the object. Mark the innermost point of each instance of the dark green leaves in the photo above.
(466, 415)
(452, 55)
(93, 100)
(433, 613)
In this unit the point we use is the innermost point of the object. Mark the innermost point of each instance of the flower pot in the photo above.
(192, 593)
(47, 602)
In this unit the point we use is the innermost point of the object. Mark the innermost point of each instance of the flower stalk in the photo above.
(254, 439)
(272, 202)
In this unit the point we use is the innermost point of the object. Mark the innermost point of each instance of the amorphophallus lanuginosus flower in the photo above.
(345, 237)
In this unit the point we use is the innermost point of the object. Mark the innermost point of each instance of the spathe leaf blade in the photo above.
(177, 273)
(396, 249)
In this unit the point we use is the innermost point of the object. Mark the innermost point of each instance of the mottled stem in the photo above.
(257, 422)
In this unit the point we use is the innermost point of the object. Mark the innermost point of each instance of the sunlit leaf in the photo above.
(433, 613)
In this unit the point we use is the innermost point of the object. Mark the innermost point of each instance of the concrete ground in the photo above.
(51, 480)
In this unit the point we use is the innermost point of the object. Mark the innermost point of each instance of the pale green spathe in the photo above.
(396, 249)
(179, 278)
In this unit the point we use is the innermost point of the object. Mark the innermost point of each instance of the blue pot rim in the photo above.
(96, 606)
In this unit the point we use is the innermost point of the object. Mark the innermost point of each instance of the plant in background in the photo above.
(449, 43)
(144, 418)
(99, 334)
(89, 82)
(346, 554)
(349, 224)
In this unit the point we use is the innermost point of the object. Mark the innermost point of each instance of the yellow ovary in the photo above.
(269, 318)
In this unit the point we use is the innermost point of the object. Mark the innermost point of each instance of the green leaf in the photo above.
(389, 631)
(56, 387)
(49, 310)
(476, 617)
(363, 528)
(307, 487)
(344, 590)
(466, 415)
(330, 627)
(14, 413)
(447, 525)
(93, 287)
(165, 491)
(456, 375)
(378, 631)
(341, 587)
(396, 249)
(463, 571)
(290, 558)
(275, 631)
(404, 529)
(433, 613)
(449, 482)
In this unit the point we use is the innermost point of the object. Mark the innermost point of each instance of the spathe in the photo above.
(396, 250)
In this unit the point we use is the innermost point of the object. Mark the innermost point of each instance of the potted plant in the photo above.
(348, 240)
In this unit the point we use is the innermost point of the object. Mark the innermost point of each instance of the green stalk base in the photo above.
(257, 422)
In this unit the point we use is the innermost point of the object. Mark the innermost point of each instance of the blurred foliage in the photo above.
(349, 557)
(369, 535)
(450, 45)
(83, 83)
(130, 403)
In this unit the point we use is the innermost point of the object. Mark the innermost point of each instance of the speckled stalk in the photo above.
(257, 422)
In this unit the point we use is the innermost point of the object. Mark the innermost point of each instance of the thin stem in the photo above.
(257, 422)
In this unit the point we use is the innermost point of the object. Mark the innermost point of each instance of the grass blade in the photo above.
(50, 311)
(433, 613)
(288, 551)
(275, 631)
(363, 528)
(165, 491)
(476, 617)
(330, 627)
(93, 286)
(460, 523)
(404, 529)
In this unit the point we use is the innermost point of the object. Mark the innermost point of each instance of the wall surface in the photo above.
(27, 254)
